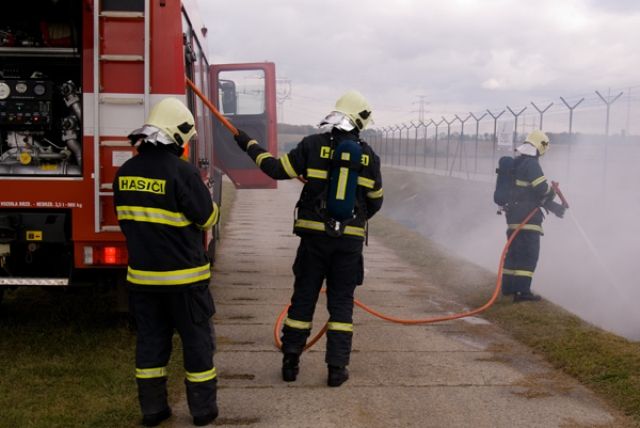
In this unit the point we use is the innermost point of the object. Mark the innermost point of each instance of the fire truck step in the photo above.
(40, 282)
(122, 58)
(122, 15)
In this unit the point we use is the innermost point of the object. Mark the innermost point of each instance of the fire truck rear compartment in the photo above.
(35, 245)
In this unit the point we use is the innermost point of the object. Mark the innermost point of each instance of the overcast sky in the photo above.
(461, 55)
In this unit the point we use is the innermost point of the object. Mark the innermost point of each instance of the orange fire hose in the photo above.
(211, 107)
(472, 312)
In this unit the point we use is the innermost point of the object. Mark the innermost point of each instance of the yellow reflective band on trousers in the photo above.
(366, 182)
(532, 227)
(319, 226)
(152, 215)
(376, 194)
(262, 156)
(201, 376)
(169, 277)
(286, 164)
(517, 272)
(299, 325)
(317, 173)
(522, 183)
(151, 373)
(213, 218)
(339, 326)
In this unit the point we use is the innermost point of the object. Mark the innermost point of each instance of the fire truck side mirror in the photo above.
(228, 96)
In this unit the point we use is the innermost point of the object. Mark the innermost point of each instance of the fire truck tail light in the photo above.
(110, 255)
(88, 255)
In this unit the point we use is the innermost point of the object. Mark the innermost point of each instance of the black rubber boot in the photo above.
(201, 421)
(155, 419)
(337, 376)
(202, 400)
(152, 394)
(525, 296)
(290, 367)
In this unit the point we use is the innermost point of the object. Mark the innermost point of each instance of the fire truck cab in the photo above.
(76, 76)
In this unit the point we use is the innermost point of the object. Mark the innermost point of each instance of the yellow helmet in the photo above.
(356, 107)
(174, 119)
(539, 140)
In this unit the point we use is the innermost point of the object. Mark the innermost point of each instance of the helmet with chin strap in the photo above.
(356, 107)
(539, 140)
(169, 122)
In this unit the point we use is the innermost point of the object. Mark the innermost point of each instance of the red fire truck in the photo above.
(76, 76)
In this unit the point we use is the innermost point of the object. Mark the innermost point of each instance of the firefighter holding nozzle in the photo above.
(522, 187)
(342, 190)
(163, 209)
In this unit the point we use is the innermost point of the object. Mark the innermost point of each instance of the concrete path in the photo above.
(463, 373)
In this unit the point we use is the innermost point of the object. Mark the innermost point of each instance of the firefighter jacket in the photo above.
(311, 159)
(531, 190)
(163, 207)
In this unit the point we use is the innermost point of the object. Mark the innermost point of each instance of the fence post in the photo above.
(495, 134)
(515, 125)
(448, 138)
(541, 112)
(415, 144)
(477, 119)
(435, 154)
(460, 149)
(426, 140)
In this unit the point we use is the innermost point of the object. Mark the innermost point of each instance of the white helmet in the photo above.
(169, 122)
(356, 107)
(539, 140)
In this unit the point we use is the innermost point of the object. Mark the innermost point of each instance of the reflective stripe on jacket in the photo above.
(163, 207)
(531, 186)
(311, 159)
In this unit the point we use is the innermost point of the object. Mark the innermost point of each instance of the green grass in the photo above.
(67, 359)
(608, 364)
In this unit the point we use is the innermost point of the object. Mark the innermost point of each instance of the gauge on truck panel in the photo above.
(5, 91)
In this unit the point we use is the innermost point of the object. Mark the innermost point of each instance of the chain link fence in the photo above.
(597, 136)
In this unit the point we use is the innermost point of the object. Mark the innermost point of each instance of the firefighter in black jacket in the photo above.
(163, 208)
(330, 248)
(531, 190)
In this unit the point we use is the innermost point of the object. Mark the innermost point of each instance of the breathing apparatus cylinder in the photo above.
(343, 179)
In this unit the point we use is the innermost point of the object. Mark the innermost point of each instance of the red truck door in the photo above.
(246, 95)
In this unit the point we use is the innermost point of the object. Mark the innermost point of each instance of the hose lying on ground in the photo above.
(430, 320)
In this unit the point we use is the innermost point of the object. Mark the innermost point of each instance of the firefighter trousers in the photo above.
(520, 262)
(157, 314)
(340, 262)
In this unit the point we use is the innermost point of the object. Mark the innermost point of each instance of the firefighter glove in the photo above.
(243, 140)
(555, 208)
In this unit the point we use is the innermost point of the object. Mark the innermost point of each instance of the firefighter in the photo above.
(163, 208)
(343, 189)
(530, 191)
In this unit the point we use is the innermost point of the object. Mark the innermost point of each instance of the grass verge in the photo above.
(608, 364)
(67, 360)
